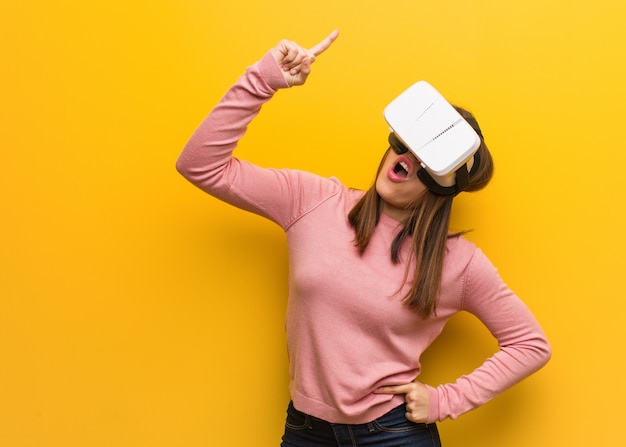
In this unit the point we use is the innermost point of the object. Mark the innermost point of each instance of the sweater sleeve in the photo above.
(207, 159)
(523, 346)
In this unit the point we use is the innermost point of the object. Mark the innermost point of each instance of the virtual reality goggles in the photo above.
(423, 122)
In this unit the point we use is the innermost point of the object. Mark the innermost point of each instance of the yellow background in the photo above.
(137, 311)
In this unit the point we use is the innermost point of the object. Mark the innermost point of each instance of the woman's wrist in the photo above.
(271, 72)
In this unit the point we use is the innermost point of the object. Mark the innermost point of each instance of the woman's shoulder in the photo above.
(465, 255)
(459, 246)
(459, 254)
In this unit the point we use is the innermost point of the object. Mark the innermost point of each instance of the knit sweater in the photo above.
(348, 330)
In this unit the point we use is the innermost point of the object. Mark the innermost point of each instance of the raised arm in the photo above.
(207, 161)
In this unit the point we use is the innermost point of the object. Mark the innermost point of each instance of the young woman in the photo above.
(374, 276)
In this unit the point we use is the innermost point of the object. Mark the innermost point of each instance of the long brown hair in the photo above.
(427, 227)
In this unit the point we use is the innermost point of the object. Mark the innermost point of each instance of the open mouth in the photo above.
(401, 169)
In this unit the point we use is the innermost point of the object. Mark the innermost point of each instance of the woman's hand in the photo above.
(295, 61)
(416, 398)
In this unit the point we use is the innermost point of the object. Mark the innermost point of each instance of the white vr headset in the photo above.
(423, 122)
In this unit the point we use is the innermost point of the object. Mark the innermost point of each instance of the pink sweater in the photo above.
(348, 332)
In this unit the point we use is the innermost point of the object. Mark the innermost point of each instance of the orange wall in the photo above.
(136, 311)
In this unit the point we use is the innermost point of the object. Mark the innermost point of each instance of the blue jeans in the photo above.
(390, 430)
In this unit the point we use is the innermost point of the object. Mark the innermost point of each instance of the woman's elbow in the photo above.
(185, 165)
(182, 166)
(540, 353)
(545, 352)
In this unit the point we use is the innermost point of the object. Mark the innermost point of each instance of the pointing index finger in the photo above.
(324, 44)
